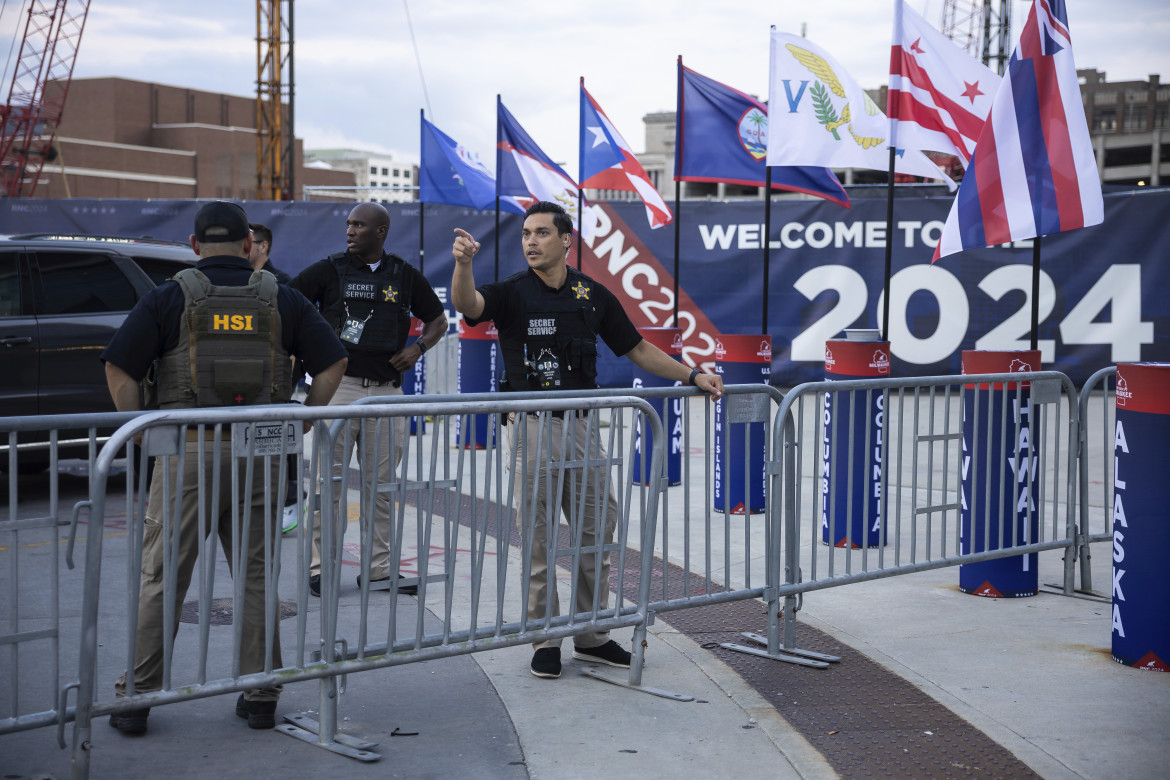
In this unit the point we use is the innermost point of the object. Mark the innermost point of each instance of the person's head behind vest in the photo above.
(221, 228)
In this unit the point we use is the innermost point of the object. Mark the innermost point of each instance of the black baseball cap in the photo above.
(221, 221)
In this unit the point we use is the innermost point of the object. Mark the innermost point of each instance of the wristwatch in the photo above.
(422, 348)
(694, 373)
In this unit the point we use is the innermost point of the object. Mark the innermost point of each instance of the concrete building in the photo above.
(1129, 122)
(121, 138)
(377, 177)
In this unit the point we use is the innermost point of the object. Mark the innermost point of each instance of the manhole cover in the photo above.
(221, 612)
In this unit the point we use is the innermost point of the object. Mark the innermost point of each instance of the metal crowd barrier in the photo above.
(921, 453)
(247, 447)
(1098, 409)
(452, 493)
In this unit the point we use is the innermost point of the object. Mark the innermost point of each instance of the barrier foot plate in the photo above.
(763, 640)
(625, 683)
(1087, 595)
(307, 729)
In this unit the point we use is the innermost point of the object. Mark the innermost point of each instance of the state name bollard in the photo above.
(739, 447)
(414, 380)
(479, 371)
(669, 340)
(851, 454)
(999, 461)
(1141, 526)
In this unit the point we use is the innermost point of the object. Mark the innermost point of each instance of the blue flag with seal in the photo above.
(721, 136)
(448, 173)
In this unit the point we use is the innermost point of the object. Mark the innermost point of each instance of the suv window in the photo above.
(82, 283)
(9, 285)
(160, 269)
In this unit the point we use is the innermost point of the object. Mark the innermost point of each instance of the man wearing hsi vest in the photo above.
(222, 334)
(549, 317)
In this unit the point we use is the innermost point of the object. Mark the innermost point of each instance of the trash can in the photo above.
(851, 450)
(998, 503)
(1141, 522)
(740, 446)
(478, 373)
(669, 410)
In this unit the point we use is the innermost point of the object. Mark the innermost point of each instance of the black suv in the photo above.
(61, 299)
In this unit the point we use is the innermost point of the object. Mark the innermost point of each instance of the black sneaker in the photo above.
(610, 653)
(384, 584)
(315, 585)
(546, 662)
(132, 723)
(260, 714)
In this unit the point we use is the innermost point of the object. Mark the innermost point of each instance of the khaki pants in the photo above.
(148, 661)
(537, 453)
(388, 453)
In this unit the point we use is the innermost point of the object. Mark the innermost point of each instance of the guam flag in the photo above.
(721, 136)
(1033, 171)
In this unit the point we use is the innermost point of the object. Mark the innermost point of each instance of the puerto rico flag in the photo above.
(608, 164)
(939, 96)
(1033, 171)
(527, 172)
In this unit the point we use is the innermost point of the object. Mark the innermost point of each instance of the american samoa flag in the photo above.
(1033, 171)
(527, 172)
(939, 95)
(608, 164)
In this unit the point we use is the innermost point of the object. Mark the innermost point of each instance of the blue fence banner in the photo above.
(1141, 525)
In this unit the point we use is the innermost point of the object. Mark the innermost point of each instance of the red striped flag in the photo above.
(939, 96)
(1033, 172)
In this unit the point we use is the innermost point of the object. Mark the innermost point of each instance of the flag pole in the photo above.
(580, 169)
(678, 117)
(766, 240)
(421, 205)
(499, 171)
(1035, 293)
(885, 327)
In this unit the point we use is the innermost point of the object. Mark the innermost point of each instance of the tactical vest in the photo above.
(559, 344)
(380, 302)
(230, 350)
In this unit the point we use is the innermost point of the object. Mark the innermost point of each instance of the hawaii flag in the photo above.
(821, 116)
(608, 164)
(939, 96)
(527, 172)
(1033, 171)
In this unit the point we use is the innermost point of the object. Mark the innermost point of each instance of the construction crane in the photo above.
(274, 82)
(32, 113)
(975, 26)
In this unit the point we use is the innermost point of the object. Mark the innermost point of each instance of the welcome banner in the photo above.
(1102, 291)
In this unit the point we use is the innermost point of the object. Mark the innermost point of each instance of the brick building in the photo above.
(120, 138)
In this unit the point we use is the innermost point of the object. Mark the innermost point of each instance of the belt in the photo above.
(367, 382)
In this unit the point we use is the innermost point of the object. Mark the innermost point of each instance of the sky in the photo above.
(358, 81)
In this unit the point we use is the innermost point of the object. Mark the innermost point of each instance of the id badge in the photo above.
(548, 371)
(352, 330)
